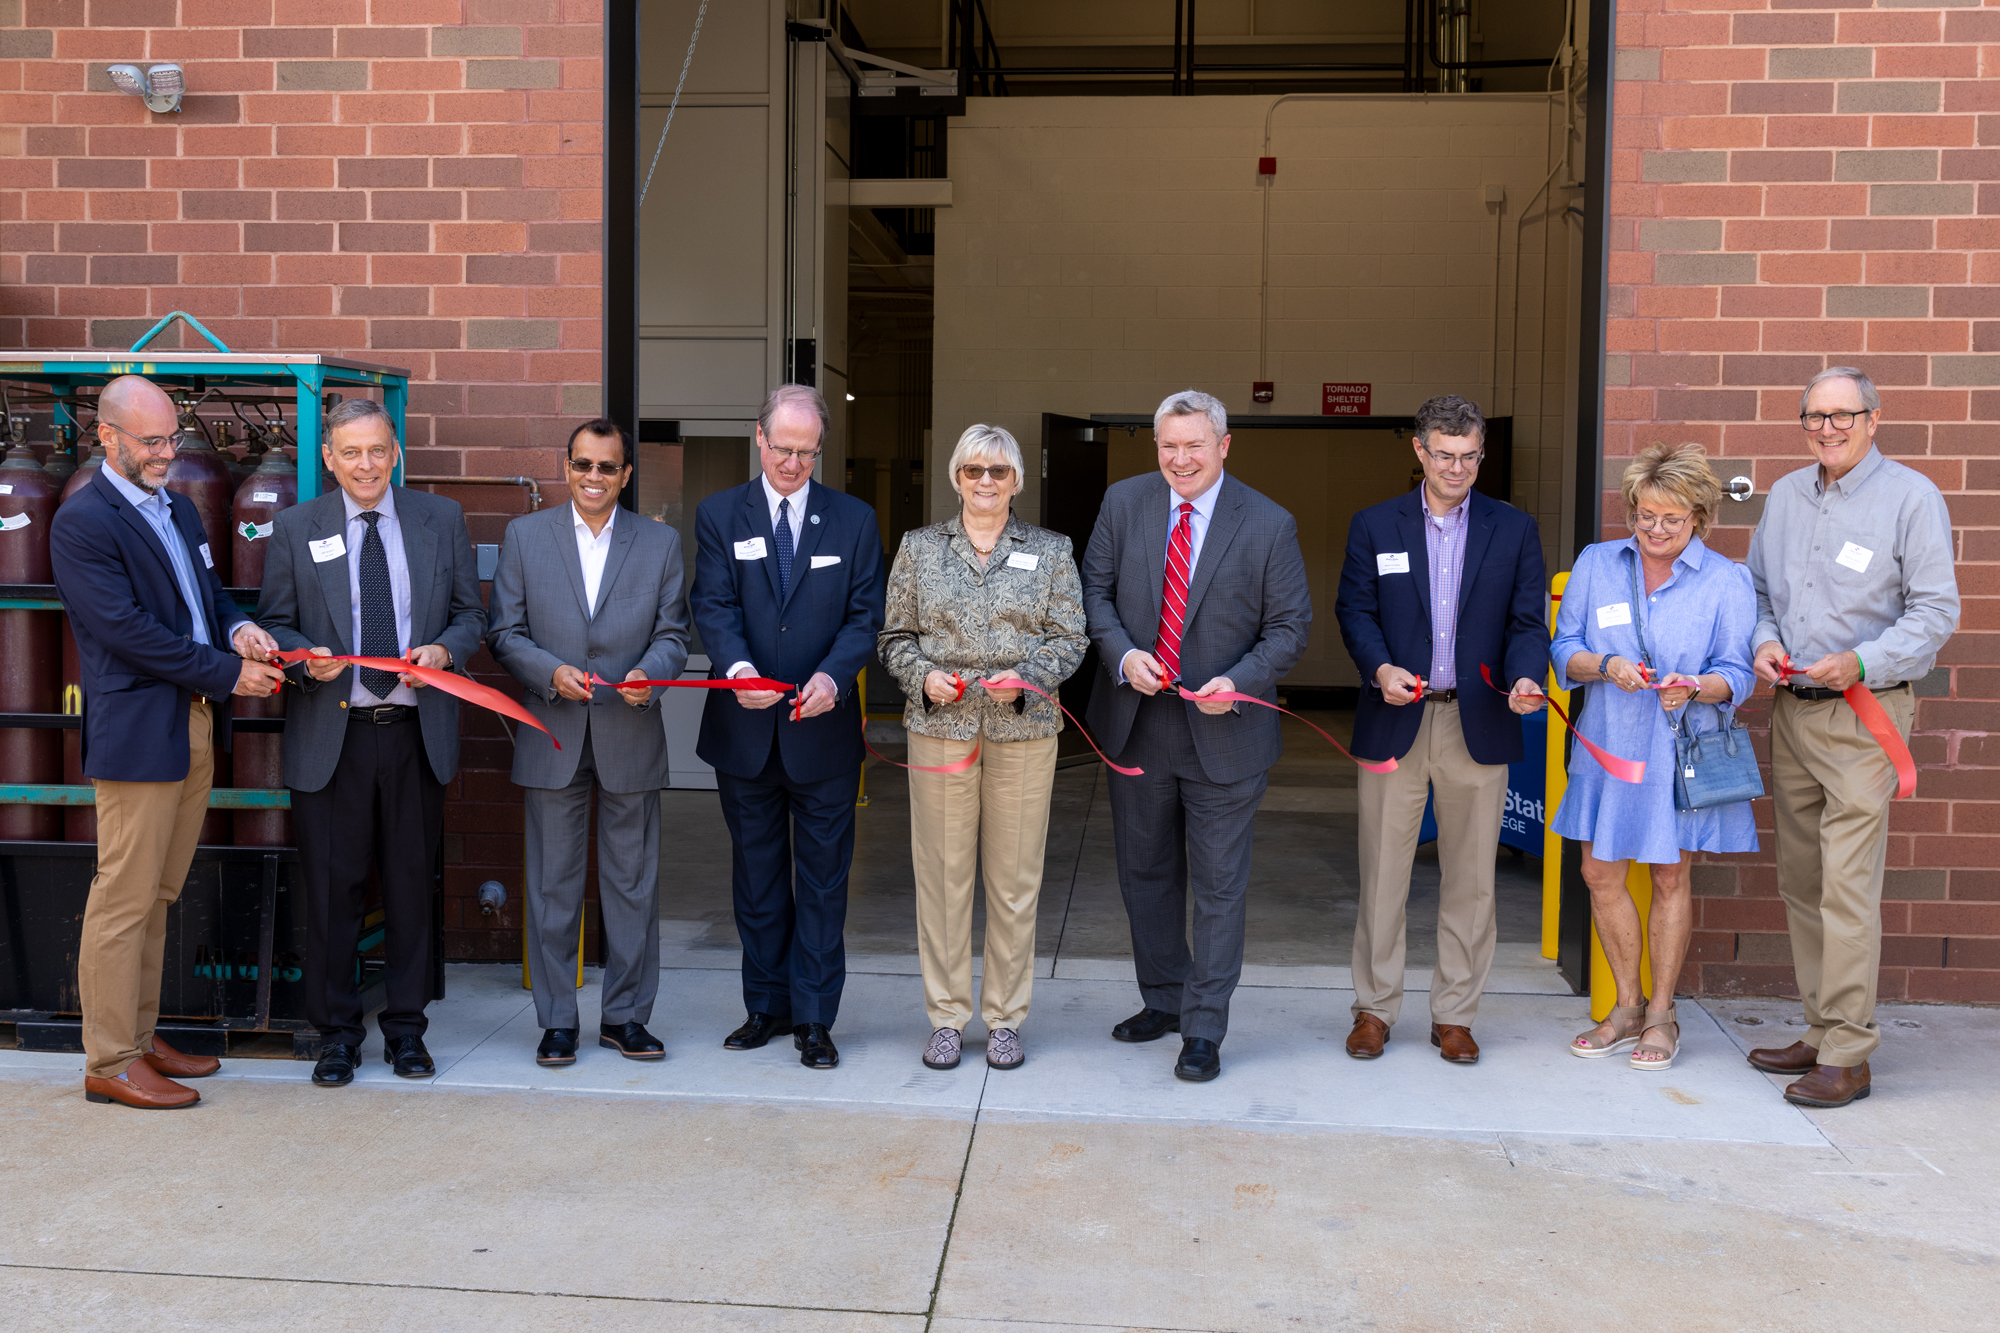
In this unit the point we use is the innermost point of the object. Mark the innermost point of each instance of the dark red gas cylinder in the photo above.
(61, 462)
(272, 487)
(79, 821)
(203, 476)
(85, 472)
(259, 759)
(30, 645)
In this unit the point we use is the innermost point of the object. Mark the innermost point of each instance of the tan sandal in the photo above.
(1664, 1019)
(1617, 1020)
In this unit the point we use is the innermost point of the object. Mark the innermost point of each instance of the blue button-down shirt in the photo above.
(158, 512)
(1444, 547)
(391, 529)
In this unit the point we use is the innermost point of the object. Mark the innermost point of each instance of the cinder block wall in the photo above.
(1796, 187)
(416, 182)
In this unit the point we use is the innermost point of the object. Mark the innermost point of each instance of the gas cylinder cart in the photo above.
(235, 939)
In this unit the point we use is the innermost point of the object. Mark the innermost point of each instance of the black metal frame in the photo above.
(621, 218)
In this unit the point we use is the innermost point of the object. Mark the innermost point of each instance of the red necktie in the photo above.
(1173, 597)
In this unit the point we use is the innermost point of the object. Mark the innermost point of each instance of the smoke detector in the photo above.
(161, 85)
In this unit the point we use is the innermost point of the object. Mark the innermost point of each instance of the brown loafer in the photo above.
(1830, 1086)
(1370, 1035)
(142, 1087)
(1455, 1043)
(1796, 1058)
(166, 1060)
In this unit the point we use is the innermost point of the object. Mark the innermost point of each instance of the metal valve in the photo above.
(1740, 489)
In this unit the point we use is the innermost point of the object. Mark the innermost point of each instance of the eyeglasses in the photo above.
(1454, 462)
(806, 456)
(997, 471)
(583, 467)
(1838, 420)
(1664, 522)
(152, 444)
(1184, 451)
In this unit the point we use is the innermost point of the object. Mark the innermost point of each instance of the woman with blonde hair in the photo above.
(1655, 617)
(981, 597)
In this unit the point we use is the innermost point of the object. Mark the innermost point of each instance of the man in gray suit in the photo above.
(1190, 575)
(370, 570)
(587, 589)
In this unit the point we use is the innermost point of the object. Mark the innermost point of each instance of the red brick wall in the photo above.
(415, 182)
(1800, 184)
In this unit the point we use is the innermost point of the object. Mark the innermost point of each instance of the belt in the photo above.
(386, 715)
(1441, 696)
(1814, 695)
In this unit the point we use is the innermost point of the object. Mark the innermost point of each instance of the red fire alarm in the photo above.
(1267, 166)
(1263, 391)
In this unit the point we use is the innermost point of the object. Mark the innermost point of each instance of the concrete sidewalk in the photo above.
(1301, 1190)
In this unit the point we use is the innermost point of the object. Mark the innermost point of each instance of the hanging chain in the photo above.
(700, 14)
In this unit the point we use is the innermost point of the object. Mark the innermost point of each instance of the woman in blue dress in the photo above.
(1696, 611)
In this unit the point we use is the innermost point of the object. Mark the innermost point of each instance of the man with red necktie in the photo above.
(1190, 576)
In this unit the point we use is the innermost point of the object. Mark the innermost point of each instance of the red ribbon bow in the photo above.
(1869, 709)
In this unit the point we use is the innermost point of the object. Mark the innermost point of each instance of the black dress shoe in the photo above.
(1201, 1060)
(1147, 1025)
(336, 1065)
(631, 1040)
(558, 1047)
(757, 1029)
(409, 1057)
(815, 1044)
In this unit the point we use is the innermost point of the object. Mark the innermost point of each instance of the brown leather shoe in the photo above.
(1455, 1043)
(143, 1087)
(1370, 1035)
(1830, 1086)
(166, 1060)
(1796, 1058)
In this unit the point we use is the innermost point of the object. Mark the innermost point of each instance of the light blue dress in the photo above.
(1698, 622)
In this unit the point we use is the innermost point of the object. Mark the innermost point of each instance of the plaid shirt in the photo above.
(1444, 545)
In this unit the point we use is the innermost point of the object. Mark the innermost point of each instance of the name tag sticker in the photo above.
(750, 550)
(1854, 557)
(264, 497)
(1618, 613)
(206, 558)
(1023, 560)
(327, 548)
(822, 561)
(1392, 562)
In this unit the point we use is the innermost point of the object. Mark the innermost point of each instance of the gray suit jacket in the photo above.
(540, 622)
(306, 604)
(1249, 610)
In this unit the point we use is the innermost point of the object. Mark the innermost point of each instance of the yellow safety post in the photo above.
(1555, 780)
(1604, 990)
(581, 918)
(861, 792)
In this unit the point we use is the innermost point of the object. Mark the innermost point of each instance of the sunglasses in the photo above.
(583, 467)
(997, 471)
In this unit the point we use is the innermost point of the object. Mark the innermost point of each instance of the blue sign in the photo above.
(1524, 818)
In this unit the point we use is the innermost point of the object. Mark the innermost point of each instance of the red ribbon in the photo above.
(1016, 683)
(1231, 696)
(451, 683)
(1869, 709)
(1625, 770)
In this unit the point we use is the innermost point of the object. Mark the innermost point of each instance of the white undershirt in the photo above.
(794, 516)
(591, 549)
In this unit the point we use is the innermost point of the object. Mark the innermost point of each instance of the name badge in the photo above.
(750, 550)
(206, 558)
(1392, 562)
(1854, 557)
(1618, 613)
(822, 561)
(1023, 560)
(327, 548)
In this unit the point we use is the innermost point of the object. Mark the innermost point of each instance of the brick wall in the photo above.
(1801, 184)
(415, 182)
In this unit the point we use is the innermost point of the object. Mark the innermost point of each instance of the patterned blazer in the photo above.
(1022, 613)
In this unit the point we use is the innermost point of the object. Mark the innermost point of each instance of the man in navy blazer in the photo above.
(162, 647)
(1436, 585)
(787, 586)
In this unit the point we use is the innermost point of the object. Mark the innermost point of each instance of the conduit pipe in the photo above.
(534, 487)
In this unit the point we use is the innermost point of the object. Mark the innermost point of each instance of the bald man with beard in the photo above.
(161, 648)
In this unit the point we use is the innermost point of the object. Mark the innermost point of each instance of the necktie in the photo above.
(784, 534)
(1173, 597)
(378, 609)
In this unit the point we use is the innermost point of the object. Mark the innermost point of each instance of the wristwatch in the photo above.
(1604, 666)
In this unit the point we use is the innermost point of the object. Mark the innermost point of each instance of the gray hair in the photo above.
(1190, 402)
(1869, 398)
(794, 395)
(350, 410)
(1448, 414)
(987, 442)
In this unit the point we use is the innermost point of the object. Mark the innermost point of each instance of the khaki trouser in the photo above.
(1471, 798)
(146, 834)
(1830, 791)
(995, 814)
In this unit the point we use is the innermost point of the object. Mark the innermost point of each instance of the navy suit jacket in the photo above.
(826, 621)
(135, 634)
(1386, 618)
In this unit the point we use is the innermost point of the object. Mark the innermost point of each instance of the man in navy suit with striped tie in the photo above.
(788, 587)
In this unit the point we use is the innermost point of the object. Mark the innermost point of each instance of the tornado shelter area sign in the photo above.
(1345, 400)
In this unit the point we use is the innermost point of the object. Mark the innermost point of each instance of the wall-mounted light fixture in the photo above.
(160, 85)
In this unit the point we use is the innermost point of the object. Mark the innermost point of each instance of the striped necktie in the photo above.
(1173, 597)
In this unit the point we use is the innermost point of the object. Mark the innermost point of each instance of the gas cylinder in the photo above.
(30, 655)
(79, 822)
(85, 472)
(202, 475)
(61, 462)
(259, 758)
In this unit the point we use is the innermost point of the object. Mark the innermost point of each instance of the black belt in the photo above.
(1442, 696)
(1813, 695)
(385, 716)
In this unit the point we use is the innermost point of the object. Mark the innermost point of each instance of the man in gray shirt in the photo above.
(1853, 567)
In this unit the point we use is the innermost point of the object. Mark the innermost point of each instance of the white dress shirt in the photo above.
(1204, 510)
(796, 514)
(591, 549)
(391, 530)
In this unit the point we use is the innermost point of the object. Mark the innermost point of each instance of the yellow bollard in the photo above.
(1555, 780)
(1603, 990)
